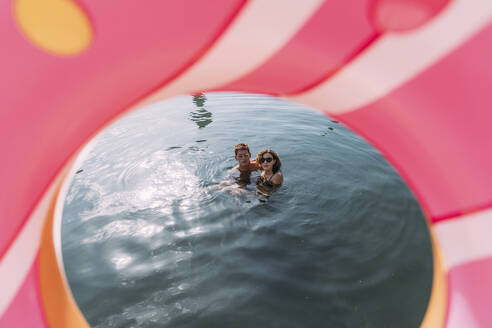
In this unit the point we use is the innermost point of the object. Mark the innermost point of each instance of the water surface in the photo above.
(150, 240)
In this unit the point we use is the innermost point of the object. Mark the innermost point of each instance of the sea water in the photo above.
(151, 238)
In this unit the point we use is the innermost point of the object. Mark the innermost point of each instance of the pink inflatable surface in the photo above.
(411, 76)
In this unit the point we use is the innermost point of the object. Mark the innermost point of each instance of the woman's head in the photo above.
(268, 158)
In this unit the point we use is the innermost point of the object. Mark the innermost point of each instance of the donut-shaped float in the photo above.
(412, 76)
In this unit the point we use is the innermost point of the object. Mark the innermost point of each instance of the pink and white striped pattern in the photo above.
(412, 76)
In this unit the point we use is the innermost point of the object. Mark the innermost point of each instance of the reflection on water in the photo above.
(243, 179)
(151, 240)
(200, 116)
(199, 99)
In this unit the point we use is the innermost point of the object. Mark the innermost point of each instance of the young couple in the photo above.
(267, 160)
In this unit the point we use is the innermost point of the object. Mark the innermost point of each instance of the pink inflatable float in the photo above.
(412, 76)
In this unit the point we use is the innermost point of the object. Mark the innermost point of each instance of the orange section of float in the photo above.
(60, 308)
(436, 310)
(57, 26)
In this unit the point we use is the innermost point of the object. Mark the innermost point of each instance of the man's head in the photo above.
(242, 154)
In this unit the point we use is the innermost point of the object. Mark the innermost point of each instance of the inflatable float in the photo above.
(412, 76)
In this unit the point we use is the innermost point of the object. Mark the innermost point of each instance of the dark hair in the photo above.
(241, 146)
(278, 163)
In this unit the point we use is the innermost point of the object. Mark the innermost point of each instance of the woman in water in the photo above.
(271, 177)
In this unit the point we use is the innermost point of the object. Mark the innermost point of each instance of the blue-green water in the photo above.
(150, 240)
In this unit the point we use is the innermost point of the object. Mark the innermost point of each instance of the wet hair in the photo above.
(241, 146)
(278, 163)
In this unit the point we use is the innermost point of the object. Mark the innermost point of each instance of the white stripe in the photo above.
(461, 313)
(16, 263)
(18, 260)
(466, 238)
(396, 58)
(259, 31)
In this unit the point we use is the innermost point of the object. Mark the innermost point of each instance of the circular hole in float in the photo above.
(151, 238)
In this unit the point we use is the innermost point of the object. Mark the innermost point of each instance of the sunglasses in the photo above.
(267, 159)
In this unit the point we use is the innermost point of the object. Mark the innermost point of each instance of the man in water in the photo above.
(241, 173)
(245, 164)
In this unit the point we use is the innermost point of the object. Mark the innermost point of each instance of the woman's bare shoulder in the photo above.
(277, 178)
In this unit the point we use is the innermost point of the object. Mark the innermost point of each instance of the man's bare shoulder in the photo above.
(253, 166)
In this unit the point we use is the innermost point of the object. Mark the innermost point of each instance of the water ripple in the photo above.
(343, 243)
